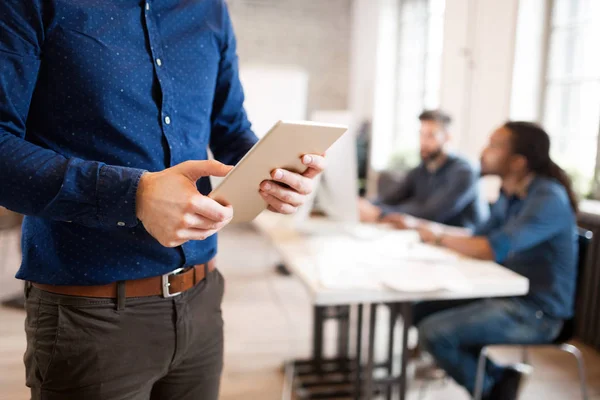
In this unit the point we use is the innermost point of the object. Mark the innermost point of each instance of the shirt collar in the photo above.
(520, 190)
(436, 165)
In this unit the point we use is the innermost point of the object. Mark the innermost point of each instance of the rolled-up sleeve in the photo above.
(545, 213)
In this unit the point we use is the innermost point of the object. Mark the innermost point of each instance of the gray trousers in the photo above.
(152, 349)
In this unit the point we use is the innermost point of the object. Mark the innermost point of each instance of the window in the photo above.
(418, 73)
(409, 68)
(556, 81)
(571, 110)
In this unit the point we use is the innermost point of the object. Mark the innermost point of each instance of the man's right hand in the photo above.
(368, 212)
(171, 208)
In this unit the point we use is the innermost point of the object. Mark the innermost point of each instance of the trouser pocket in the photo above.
(42, 328)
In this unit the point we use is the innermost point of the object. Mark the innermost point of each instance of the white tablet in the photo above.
(282, 147)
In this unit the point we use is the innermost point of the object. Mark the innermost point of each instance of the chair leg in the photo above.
(569, 348)
(478, 392)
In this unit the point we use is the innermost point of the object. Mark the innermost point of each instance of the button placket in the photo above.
(163, 79)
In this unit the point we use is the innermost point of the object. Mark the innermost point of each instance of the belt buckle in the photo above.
(165, 283)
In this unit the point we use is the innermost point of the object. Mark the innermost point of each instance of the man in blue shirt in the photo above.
(104, 109)
(532, 231)
(444, 188)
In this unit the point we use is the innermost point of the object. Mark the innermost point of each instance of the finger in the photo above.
(277, 205)
(209, 208)
(425, 237)
(197, 221)
(195, 170)
(299, 183)
(194, 234)
(284, 194)
(316, 164)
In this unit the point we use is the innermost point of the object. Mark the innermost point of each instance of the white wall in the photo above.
(313, 35)
(479, 44)
(530, 52)
(477, 72)
(273, 94)
(363, 54)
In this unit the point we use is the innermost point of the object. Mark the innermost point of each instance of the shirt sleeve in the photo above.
(231, 135)
(37, 181)
(395, 203)
(491, 224)
(545, 213)
(448, 200)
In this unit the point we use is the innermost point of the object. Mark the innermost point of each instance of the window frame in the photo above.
(398, 134)
(547, 81)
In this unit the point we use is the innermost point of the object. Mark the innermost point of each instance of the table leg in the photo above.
(371, 353)
(406, 311)
(343, 326)
(318, 321)
(357, 382)
(390, 358)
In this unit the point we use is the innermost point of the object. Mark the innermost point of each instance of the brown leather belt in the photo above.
(167, 285)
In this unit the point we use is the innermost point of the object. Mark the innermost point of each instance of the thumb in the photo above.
(195, 170)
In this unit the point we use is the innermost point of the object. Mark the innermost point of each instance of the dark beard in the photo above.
(433, 156)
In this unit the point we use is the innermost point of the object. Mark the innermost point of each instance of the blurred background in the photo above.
(482, 61)
(376, 65)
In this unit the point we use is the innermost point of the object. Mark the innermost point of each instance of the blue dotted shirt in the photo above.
(94, 92)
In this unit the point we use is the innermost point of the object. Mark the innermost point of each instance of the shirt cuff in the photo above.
(117, 191)
(500, 243)
(386, 209)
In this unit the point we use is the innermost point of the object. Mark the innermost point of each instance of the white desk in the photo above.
(301, 254)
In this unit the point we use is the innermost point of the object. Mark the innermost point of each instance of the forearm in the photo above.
(41, 182)
(443, 229)
(475, 246)
(387, 209)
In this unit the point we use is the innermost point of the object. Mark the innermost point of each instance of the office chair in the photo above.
(567, 332)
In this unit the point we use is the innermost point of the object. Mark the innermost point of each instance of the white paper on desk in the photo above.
(348, 278)
(424, 278)
(430, 254)
(340, 268)
(413, 253)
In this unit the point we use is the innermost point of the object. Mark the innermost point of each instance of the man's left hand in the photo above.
(288, 190)
(397, 220)
(427, 235)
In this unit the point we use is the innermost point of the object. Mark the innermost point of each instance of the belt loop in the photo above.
(27, 289)
(121, 295)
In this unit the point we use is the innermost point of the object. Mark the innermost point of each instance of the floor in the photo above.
(268, 320)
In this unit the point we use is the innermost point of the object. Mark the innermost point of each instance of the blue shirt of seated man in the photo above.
(532, 231)
(535, 235)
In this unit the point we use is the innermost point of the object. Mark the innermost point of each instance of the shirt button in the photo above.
(158, 62)
(147, 6)
(121, 223)
(167, 120)
(539, 314)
